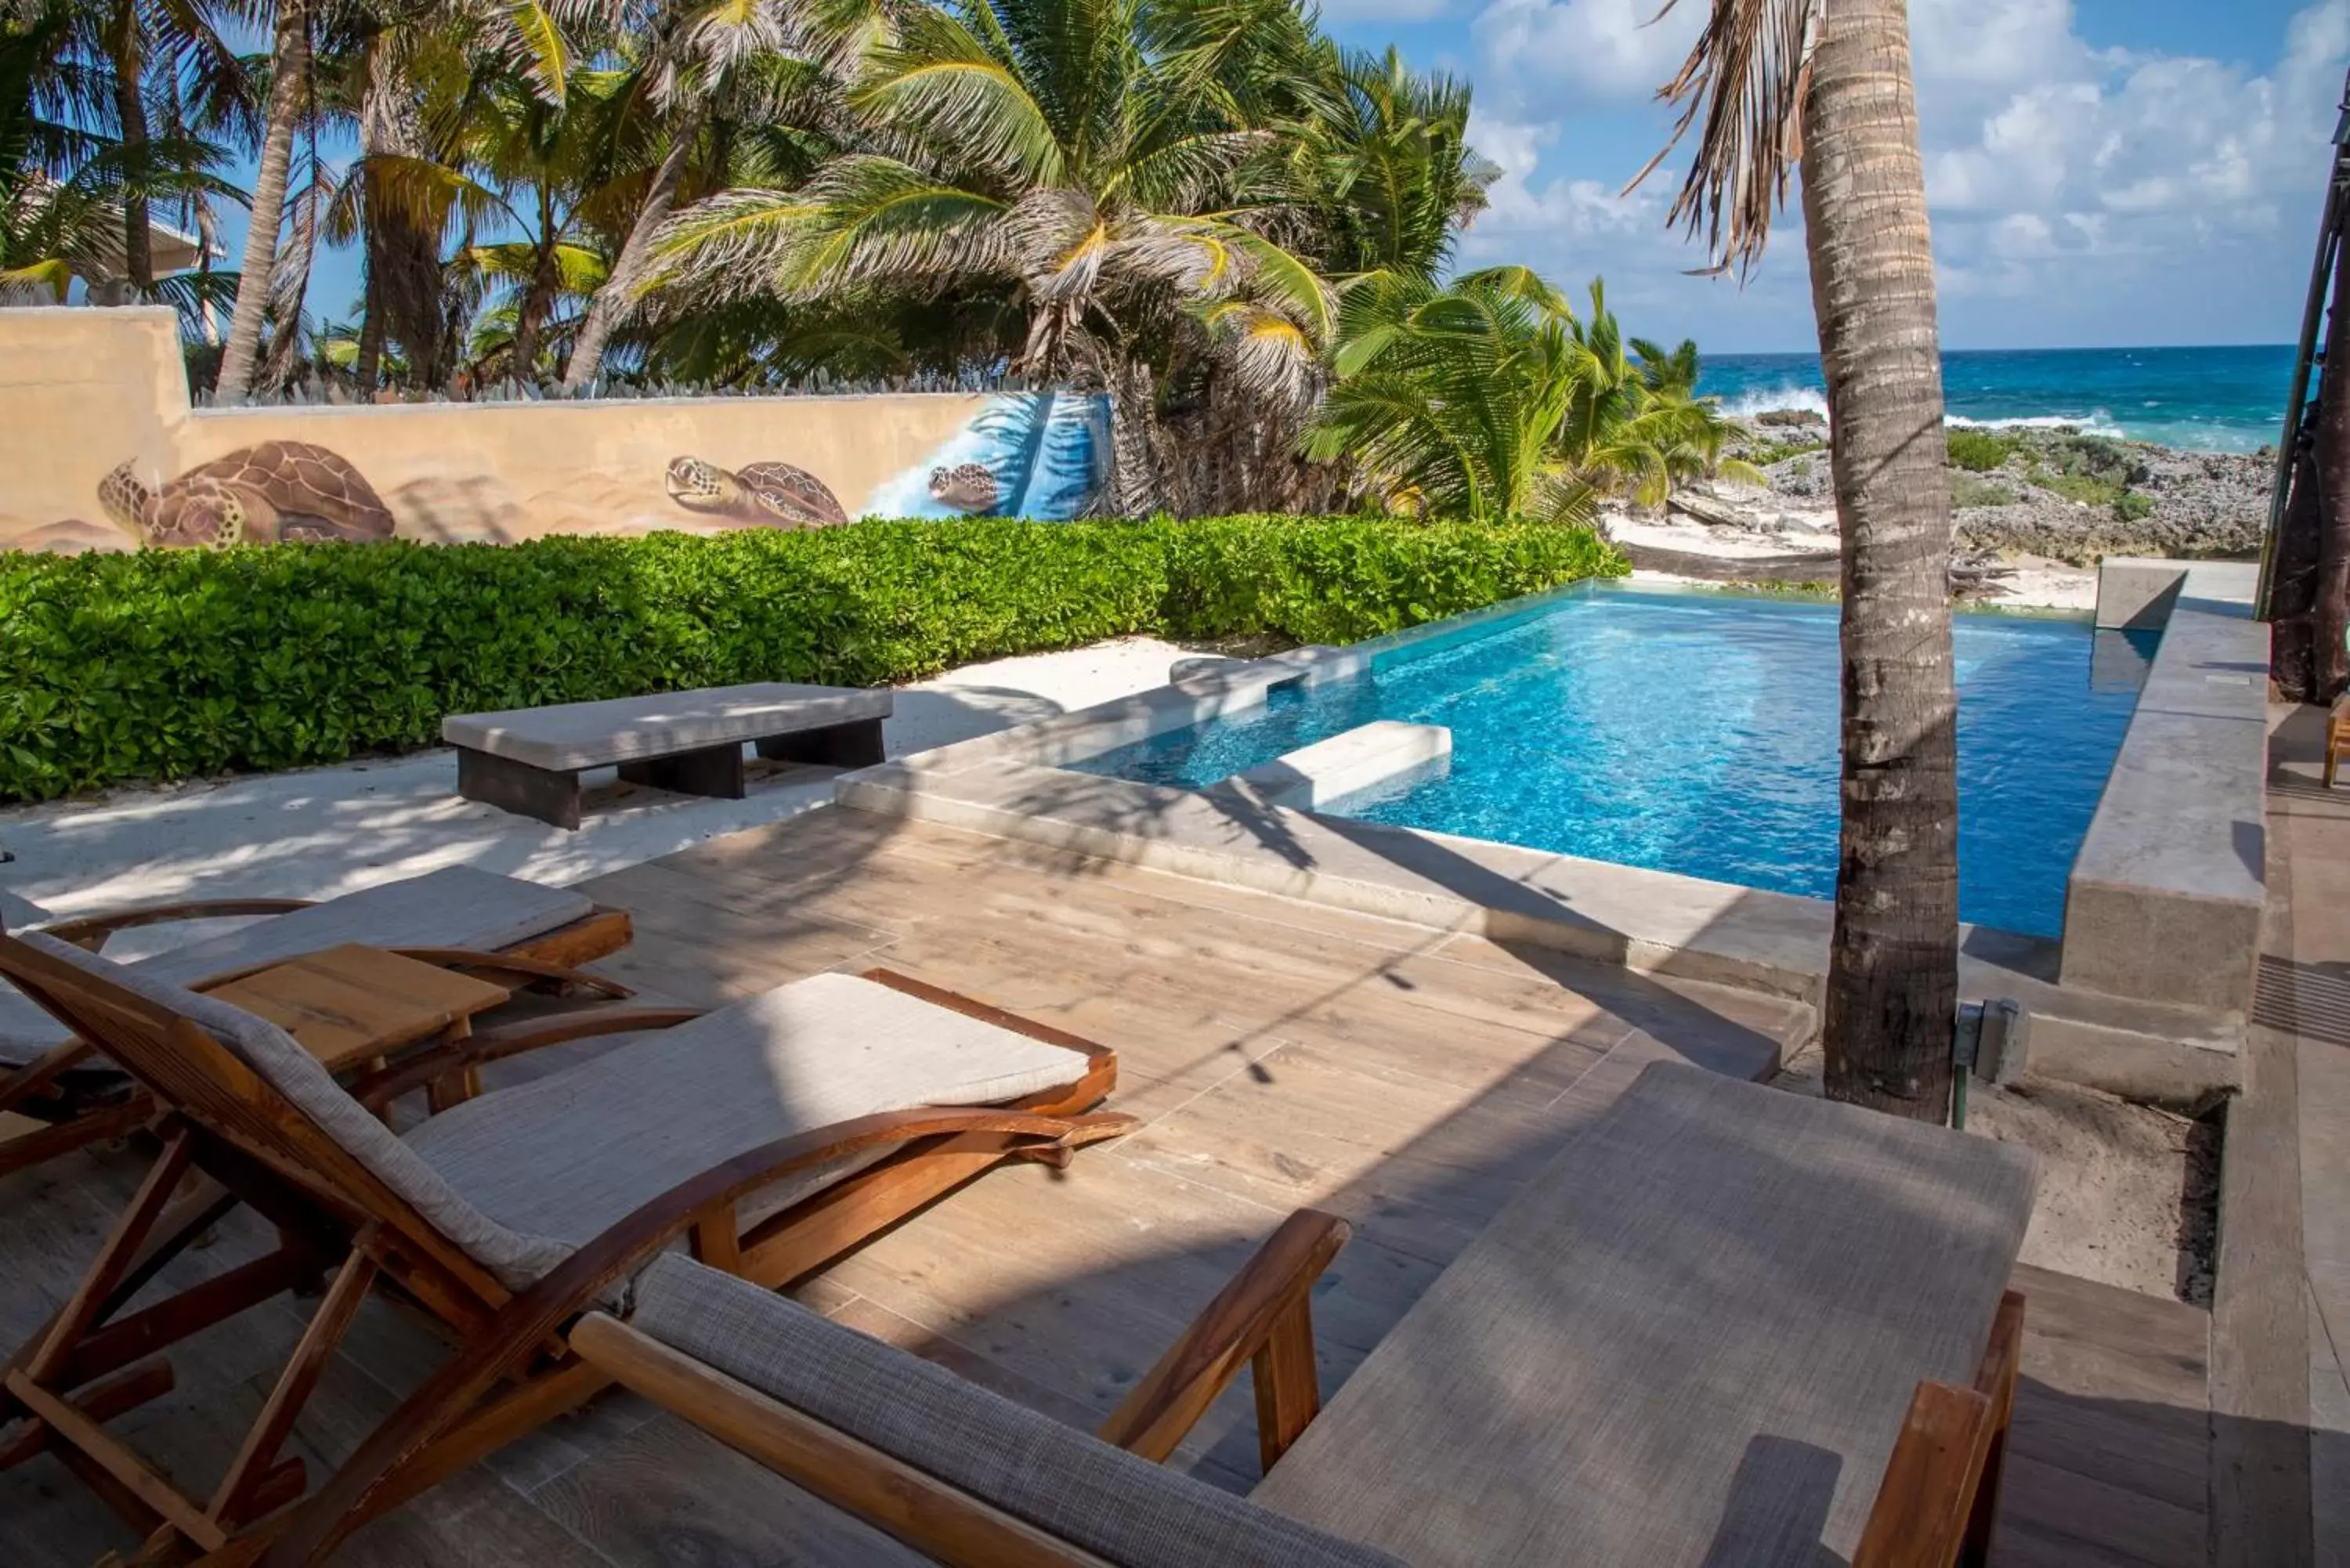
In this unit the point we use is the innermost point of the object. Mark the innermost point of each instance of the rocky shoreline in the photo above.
(2036, 508)
(2055, 493)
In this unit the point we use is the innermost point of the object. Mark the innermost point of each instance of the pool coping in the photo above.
(1013, 784)
(2174, 864)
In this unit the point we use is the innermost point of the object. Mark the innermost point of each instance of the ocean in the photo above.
(2204, 400)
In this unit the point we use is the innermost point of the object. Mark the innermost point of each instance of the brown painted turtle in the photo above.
(279, 490)
(776, 494)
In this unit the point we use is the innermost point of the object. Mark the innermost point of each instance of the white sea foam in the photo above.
(2184, 434)
(1746, 405)
(2098, 423)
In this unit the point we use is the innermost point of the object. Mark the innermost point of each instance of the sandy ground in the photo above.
(323, 831)
(2035, 585)
(2128, 1193)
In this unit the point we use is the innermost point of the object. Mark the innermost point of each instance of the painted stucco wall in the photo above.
(82, 391)
(77, 397)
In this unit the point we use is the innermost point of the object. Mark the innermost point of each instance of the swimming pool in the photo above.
(1696, 733)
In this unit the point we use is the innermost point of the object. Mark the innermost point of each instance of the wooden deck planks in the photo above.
(1281, 1056)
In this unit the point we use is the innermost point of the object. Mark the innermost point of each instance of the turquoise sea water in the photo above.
(1696, 733)
(2209, 399)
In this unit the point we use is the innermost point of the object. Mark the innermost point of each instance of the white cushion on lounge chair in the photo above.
(1067, 1482)
(457, 907)
(17, 913)
(1690, 1340)
(565, 1156)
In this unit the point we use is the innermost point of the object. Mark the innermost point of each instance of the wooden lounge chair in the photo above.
(784, 1129)
(1727, 1325)
(457, 915)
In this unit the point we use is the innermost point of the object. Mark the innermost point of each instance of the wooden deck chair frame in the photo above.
(228, 1138)
(1935, 1506)
(43, 1091)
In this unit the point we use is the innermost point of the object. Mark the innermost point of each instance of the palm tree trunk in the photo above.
(2331, 470)
(289, 64)
(1134, 410)
(2293, 592)
(207, 242)
(365, 366)
(611, 302)
(130, 112)
(537, 303)
(1892, 988)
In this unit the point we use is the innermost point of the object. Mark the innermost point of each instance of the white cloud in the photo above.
(1562, 55)
(2078, 192)
(1991, 44)
(1383, 10)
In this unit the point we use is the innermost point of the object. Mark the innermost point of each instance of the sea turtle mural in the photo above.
(279, 490)
(776, 494)
(967, 487)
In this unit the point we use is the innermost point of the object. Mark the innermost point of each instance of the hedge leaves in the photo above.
(169, 665)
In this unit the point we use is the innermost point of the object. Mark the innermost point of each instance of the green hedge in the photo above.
(172, 665)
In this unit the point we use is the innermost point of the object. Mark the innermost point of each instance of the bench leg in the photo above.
(510, 785)
(856, 744)
(713, 770)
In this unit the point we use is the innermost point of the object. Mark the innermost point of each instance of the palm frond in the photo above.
(941, 79)
(1742, 85)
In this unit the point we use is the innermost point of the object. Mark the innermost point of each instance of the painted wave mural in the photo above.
(1043, 456)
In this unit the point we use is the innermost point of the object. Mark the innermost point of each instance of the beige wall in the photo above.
(503, 471)
(83, 390)
(74, 402)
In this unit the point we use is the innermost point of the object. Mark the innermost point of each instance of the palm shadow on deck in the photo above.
(1280, 1056)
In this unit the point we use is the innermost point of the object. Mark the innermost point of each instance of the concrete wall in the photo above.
(82, 391)
(2164, 898)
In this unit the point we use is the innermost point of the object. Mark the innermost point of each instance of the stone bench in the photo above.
(529, 761)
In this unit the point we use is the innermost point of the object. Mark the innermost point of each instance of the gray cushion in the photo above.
(1690, 1340)
(456, 906)
(569, 736)
(565, 1156)
(520, 1177)
(293, 1073)
(1064, 1481)
(17, 913)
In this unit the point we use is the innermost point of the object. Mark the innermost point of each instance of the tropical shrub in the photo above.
(1966, 490)
(1981, 451)
(166, 665)
(1764, 452)
(2086, 489)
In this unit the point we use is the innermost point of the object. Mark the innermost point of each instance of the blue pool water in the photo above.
(1696, 733)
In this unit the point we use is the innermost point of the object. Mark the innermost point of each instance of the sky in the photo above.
(2100, 171)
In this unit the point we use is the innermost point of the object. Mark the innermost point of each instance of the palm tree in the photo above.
(1638, 429)
(290, 72)
(1490, 399)
(1088, 153)
(1769, 78)
(1449, 401)
(1383, 161)
(704, 59)
(517, 164)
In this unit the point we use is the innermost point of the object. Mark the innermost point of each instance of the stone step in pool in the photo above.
(1384, 751)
